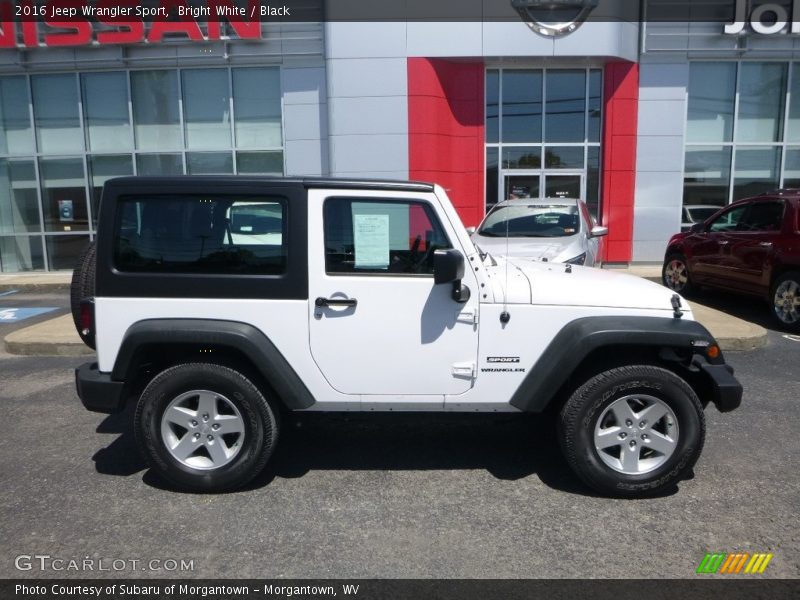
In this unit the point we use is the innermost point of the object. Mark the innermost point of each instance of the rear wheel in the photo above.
(675, 274)
(82, 286)
(632, 431)
(205, 427)
(786, 300)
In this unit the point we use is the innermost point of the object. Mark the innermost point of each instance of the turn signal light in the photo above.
(713, 351)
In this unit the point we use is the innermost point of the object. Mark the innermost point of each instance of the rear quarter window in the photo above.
(201, 235)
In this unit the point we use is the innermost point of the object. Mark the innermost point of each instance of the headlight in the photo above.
(578, 260)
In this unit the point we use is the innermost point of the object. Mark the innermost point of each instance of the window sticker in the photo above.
(371, 239)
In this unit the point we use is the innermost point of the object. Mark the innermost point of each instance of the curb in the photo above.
(53, 337)
(748, 336)
(47, 348)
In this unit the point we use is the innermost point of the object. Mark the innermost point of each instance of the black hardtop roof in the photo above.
(306, 182)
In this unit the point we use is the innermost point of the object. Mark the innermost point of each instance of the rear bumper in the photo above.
(97, 391)
(727, 391)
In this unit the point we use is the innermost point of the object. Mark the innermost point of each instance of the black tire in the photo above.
(790, 321)
(685, 289)
(581, 413)
(82, 286)
(260, 421)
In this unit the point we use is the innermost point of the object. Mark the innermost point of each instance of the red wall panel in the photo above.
(446, 130)
(621, 97)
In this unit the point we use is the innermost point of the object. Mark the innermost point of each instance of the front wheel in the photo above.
(205, 427)
(633, 431)
(786, 300)
(675, 274)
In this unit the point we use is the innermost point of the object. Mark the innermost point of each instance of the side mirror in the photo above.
(598, 231)
(448, 267)
(698, 228)
(471, 230)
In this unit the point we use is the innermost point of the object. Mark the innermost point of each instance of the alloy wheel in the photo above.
(676, 275)
(202, 429)
(636, 434)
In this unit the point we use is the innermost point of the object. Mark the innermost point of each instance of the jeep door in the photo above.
(378, 324)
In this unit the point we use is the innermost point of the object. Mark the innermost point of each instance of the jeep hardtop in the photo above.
(217, 303)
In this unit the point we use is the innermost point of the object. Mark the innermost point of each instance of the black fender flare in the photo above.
(570, 347)
(241, 337)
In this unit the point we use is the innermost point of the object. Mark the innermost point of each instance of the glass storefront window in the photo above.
(564, 157)
(64, 194)
(712, 98)
(522, 107)
(21, 253)
(595, 105)
(62, 136)
(259, 163)
(565, 110)
(540, 125)
(19, 202)
(206, 108)
(105, 167)
(793, 125)
(63, 250)
(762, 91)
(159, 164)
(156, 117)
(257, 107)
(757, 170)
(492, 174)
(525, 157)
(593, 181)
(742, 106)
(492, 106)
(16, 134)
(791, 169)
(707, 176)
(209, 163)
(55, 112)
(105, 106)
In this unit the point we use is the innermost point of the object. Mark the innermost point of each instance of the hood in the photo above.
(551, 284)
(552, 249)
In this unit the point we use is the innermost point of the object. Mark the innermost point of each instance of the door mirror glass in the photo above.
(598, 231)
(448, 266)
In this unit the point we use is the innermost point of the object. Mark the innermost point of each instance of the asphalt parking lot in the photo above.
(394, 496)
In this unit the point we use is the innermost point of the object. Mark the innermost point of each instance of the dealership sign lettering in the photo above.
(79, 23)
(766, 19)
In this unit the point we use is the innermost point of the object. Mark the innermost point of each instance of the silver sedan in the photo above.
(552, 230)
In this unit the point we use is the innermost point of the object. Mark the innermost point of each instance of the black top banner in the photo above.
(547, 11)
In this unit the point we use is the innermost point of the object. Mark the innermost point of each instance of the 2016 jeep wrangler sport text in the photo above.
(216, 303)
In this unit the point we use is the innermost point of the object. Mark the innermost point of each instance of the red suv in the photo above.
(750, 247)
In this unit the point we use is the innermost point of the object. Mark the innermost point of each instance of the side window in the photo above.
(201, 235)
(378, 237)
(764, 216)
(729, 220)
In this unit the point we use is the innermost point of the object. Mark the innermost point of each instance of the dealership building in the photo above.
(638, 118)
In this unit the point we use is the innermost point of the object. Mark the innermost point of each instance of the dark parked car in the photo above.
(750, 247)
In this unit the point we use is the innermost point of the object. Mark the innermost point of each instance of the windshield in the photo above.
(699, 215)
(552, 220)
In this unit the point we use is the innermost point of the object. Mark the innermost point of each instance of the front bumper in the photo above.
(727, 391)
(97, 391)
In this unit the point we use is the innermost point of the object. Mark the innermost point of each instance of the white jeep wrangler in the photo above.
(216, 303)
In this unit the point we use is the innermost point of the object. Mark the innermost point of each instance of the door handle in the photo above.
(724, 242)
(322, 302)
(766, 244)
